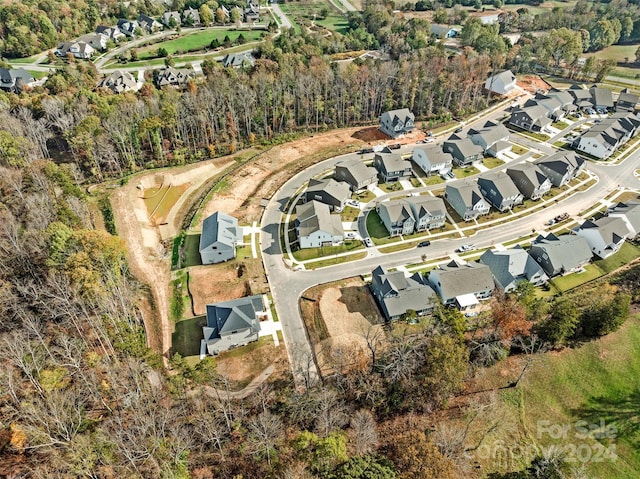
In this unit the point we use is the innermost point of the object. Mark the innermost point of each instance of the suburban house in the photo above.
(492, 137)
(251, 12)
(120, 82)
(605, 235)
(397, 217)
(604, 138)
(14, 80)
(429, 212)
(498, 189)
(231, 324)
(502, 83)
(628, 212)
(112, 33)
(80, 50)
(396, 123)
(466, 200)
(128, 27)
(97, 40)
(443, 31)
(220, 235)
(432, 159)
(316, 226)
(463, 150)
(552, 105)
(565, 99)
(602, 97)
(237, 60)
(356, 174)
(530, 180)
(328, 191)
(462, 285)
(396, 294)
(627, 101)
(148, 24)
(560, 254)
(171, 19)
(175, 77)
(561, 167)
(582, 97)
(511, 266)
(191, 17)
(532, 118)
(391, 167)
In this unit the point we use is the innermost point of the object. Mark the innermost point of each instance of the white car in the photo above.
(353, 203)
(465, 247)
(368, 242)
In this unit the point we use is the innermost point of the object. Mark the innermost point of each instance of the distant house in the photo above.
(552, 105)
(602, 139)
(175, 77)
(356, 174)
(397, 217)
(328, 191)
(97, 40)
(628, 212)
(564, 97)
(532, 118)
(561, 167)
(396, 294)
(191, 17)
(605, 235)
(502, 83)
(112, 33)
(602, 97)
(119, 82)
(530, 180)
(627, 101)
(220, 235)
(560, 254)
(128, 27)
(509, 267)
(316, 226)
(462, 285)
(238, 60)
(466, 200)
(463, 150)
(396, 123)
(443, 31)
(429, 212)
(499, 190)
(14, 80)
(432, 159)
(171, 19)
(232, 323)
(492, 137)
(391, 167)
(251, 12)
(80, 50)
(582, 97)
(148, 24)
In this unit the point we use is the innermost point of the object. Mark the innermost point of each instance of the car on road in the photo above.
(368, 242)
(465, 247)
(458, 130)
(424, 243)
(364, 151)
(354, 203)
(590, 111)
(395, 146)
(350, 235)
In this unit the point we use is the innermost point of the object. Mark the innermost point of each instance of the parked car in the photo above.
(364, 151)
(368, 242)
(395, 146)
(424, 243)
(428, 140)
(458, 130)
(590, 111)
(353, 203)
(350, 235)
(465, 247)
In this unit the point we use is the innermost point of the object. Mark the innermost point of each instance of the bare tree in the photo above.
(265, 432)
(365, 434)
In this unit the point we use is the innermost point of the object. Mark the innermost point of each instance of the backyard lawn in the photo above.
(570, 281)
(191, 251)
(377, 230)
(186, 338)
(627, 253)
(349, 213)
(491, 162)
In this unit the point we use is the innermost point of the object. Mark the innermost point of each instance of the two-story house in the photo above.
(605, 235)
(561, 167)
(328, 191)
(560, 254)
(356, 174)
(391, 167)
(432, 160)
(532, 118)
(462, 285)
(316, 226)
(397, 217)
(220, 235)
(429, 212)
(397, 294)
(498, 189)
(467, 200)
(530, 180)
(509, 267)
(628, 212)
(463, 150)
(396, 123)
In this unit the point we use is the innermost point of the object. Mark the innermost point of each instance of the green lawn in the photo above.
(313, 253)
(349, 213)
(560, 125)
(491, 162)
(519, 150)
(390, 187)
(187, 335)
(377, 230)
(364, 196)
(466, 171)
(335, 23)
(627, 253)
(565, 283)
(333, 261)
(191, 251)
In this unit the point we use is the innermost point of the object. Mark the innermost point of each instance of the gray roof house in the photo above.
(148, 24)
(605, 235)
(582, 97)
(232, 323)
(316, 226)
(119, 82)
(191, 17)
(561, 167)
(463, 150)
(627, 101)
(97, 40)
(80, 50)
(238, 60)
(171, 19)
(429, 212)
(499, 190)
(443, 31)
(530, 180)
(356, 174)
(251, 13)
(560, 254)
(462, 285)
(602, 139)
(396, 123)
(628, 212)
(328, 191)
(489, 136)
(532, 118)
(220, 234)
(175, 77)
(396, 294)
(13, 80)
(501, 83)
(127, 27)
(511, 266)
(391, 167)
(551, 104)
(432, 160)
(466, 200)
(565, 98)
(602, 97)
(397, 217)
(112, 33)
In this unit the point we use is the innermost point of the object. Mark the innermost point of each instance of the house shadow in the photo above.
(187, 335)
(358, 299)
(612, 418)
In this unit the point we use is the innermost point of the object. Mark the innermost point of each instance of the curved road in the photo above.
(287, 285)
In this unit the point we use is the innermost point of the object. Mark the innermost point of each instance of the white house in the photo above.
(501, 83)
(220, 235)
(316, 226)
(605, 236)
(396, 123)
(432, 159)
(628, 212)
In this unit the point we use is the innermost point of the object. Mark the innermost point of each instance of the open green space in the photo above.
(319, 12)
(570, 281)
(313, 253)
(335, 23)
(377, 230)
(627, 253)
(336, 260)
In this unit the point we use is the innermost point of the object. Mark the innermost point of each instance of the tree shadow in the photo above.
(358, 299)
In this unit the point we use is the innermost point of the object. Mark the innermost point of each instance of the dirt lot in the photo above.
(532, 83)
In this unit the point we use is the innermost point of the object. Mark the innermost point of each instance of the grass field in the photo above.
(376, 229)
(197, 41)
(491, 162)
(159, 201)
(565, 283)
(187, 335)
(306, 11)
(191, 251)
(313, 253)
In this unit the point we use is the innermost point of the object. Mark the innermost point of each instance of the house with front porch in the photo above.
(396, 123)
(432, 160)
(397, 217)
(498, 189)
(316, 226)
(511, 266)
(429, 212)
(462, 285)
(392, 167)
(463, 150)
(561, 167)
(530, 180)
(560, 254)
(605, 235)
(467, 200)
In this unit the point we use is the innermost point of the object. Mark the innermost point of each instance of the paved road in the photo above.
(284, 20)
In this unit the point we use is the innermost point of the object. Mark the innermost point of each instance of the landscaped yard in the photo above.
(349, 213)
(560, 125)
(390, 187)
(307, 11)
(491, 162)
(363, 196)
(377, 230)
(519, 150)
(312, 253)
(627, 253)
(570, 281)
(466, 171)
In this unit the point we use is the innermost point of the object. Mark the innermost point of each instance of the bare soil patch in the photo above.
(533, 83)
